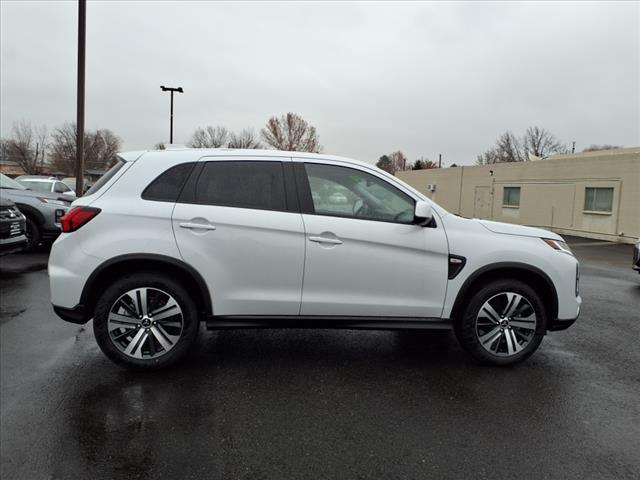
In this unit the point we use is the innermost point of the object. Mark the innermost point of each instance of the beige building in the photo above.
(594, 194)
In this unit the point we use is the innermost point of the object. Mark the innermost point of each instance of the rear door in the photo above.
(365, 256)
(237, 222)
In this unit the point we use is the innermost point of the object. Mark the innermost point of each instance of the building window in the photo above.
(511, 197)
(598, 199)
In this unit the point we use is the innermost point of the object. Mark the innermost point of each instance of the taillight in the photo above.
(77, 217)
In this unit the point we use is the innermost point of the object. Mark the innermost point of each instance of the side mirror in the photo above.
(423, 213)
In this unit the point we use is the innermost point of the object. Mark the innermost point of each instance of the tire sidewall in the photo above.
(150, 280)
(34, 229)
(465, 327)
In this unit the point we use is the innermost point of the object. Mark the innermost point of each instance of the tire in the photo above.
(33, 235)
(156, 340)
(503, 323)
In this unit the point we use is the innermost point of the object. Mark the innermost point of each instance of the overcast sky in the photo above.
(424, 78)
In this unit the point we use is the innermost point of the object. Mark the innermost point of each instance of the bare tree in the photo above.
(597, 148)
(100, 148)
(507, 149)
(393, 162)
(291, 133)
(209, 137)
(539, 142)
(384, 163)
(536, 142)
(245, 139)
(398, 161)
(27, 147)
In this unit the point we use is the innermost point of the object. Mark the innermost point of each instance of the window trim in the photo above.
(597, 212)
(306, 199)
(504, 191)
(187, 195)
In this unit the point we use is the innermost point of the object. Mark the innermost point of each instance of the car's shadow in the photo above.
(279, 386)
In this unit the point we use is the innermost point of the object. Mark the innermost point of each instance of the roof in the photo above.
(205, 152)
(36, 178)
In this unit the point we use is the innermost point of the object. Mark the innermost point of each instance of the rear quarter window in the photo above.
(168, 185)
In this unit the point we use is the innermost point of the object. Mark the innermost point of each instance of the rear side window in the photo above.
(104, 178)
(167, 186)
(243, 184)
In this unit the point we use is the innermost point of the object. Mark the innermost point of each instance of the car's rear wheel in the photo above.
(504, 323)
(146, 321)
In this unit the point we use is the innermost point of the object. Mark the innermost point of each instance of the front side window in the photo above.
(346, 192)
(242, 184)
(598, 199)
(511, 197)
(61, 188)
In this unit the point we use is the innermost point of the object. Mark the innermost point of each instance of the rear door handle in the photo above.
(332, 241)
(193, 226)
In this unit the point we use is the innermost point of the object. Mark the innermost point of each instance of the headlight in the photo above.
(558, 245)
(54, 202)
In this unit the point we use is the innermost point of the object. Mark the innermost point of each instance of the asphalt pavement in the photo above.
(258, 404)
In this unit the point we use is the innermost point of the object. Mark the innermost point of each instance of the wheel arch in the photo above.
(532, 276)
(108, 271)
(32, 212)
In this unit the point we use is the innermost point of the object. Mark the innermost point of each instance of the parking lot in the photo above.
(324, 404)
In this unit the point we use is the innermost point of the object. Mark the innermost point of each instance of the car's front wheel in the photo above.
(32, 232)
(503, 323)
(145, 321)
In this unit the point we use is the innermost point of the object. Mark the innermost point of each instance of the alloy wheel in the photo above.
(506, 324)
(145, 323)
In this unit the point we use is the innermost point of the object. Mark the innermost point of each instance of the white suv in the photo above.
(249, 238)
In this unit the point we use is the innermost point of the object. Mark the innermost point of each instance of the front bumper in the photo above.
(73, 315)
(562, 323)
(12, 245)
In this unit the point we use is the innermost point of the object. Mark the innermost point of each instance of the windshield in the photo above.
(37, 186)
(6, 182)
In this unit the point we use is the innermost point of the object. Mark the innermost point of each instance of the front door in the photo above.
(364, 254)
(235, 225)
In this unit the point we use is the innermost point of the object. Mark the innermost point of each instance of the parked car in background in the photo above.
(71, 183)
(43, 210)
(636, 257)
(39, 183)
(168, 238)
(12, 228)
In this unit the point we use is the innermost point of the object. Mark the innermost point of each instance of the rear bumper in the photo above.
(73, 315)
(49, 235)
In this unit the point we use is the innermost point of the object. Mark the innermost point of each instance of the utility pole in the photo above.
(439, 160)
(82, 30)
(171, 89)
(573, 148)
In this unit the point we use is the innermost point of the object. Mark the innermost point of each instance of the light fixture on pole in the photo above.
(171, 89)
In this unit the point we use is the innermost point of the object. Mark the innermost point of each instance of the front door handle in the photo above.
(332, 241)
(193, 226)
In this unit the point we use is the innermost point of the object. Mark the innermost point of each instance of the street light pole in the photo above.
(171, 89)
(82, 24)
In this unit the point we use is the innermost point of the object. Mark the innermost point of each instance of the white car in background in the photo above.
(242, 239)
(40, 183)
